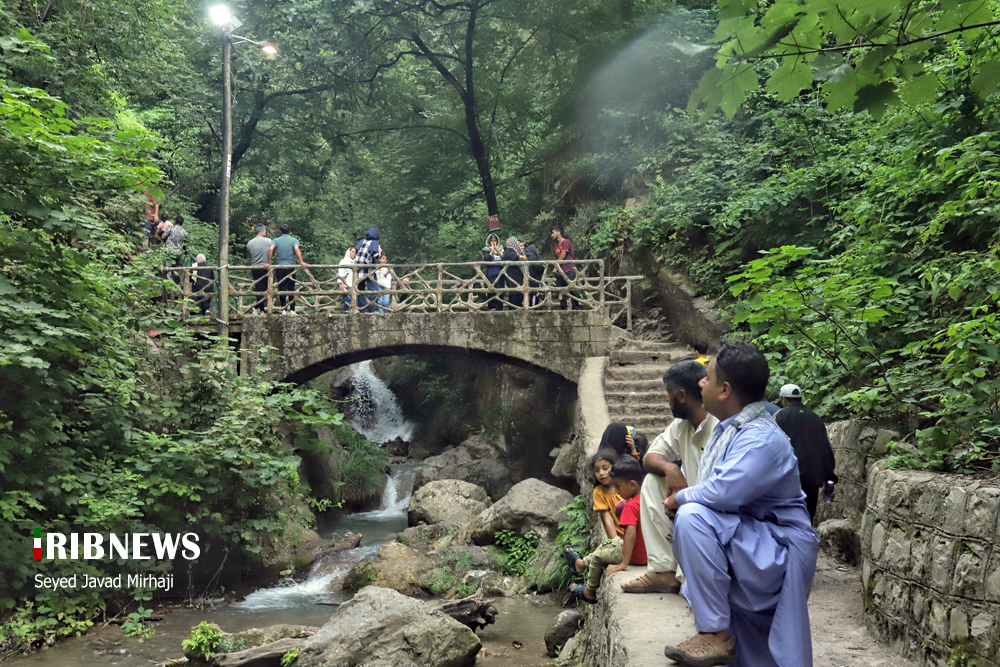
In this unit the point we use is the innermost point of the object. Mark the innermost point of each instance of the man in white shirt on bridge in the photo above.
(683, 441)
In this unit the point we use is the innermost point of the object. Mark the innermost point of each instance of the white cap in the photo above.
(791, 391)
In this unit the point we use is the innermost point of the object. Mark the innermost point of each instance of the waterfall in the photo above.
(376, 412)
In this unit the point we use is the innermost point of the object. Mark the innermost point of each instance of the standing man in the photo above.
(259, 248)
(284, 250)
(684, 440)
(810, 443)
(742, 534)
(564, 251)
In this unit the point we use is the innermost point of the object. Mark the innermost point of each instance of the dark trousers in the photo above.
(561, 282)
(492, 301)
(812, 498)
(366, 302)
(284, 278)
(260, 287)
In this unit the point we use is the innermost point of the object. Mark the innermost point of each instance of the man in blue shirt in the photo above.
(283, 252)
(742, 534)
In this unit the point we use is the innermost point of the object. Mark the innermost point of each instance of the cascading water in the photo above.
(376, 412)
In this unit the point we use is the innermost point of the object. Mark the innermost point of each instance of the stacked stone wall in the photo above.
(931, 565)
(856, 445)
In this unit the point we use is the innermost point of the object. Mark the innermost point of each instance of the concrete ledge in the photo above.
(638, 625)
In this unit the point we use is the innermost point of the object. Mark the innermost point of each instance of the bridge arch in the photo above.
(553, 343)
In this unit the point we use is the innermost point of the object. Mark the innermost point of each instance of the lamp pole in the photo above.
(227, 167)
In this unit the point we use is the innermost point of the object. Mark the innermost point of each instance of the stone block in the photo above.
(866, 572)
(953, 514)
(959, 624)
(938, 622)
(981, 512)
(899, 497)
(920, 605)
(882, 438)
(896, 555)
(941, 565)
(878, 542)
(993, 577)
(867, 524)
(921, 557)
(970, 569)
(983, 625)
(926, 504)
(580, 334)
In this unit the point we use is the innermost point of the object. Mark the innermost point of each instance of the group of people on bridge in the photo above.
(718, 508)
(363, 271)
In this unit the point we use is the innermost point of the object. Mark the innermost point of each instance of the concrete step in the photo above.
(632, 385)
(639, 396)
(640, 412)
(662, 344)
(656, 407)
(666, 356)
(636, 372)
(650, 426)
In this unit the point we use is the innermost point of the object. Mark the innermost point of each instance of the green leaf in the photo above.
(790, 78)
(988, 78)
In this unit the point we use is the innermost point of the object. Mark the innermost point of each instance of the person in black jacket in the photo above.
(514, 252)
(493, 253)
(812, 448)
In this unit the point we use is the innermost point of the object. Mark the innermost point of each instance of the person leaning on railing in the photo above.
(536, 272)
(259, 247)
(284, 250)
(202, 284)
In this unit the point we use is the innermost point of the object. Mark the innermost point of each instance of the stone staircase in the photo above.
(633, 383)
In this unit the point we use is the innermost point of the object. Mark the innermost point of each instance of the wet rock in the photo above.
(474, 461)
(566, 625)
(396, 447)
(397, 566)
(382, 627)
(530, 505)
(447, 501)
(324, 560)
(268, 655)
(568, 656)
(568, 460)
(838, 538)
(272, 633)
(426, 534)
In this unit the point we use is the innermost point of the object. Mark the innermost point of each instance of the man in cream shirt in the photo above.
(684, 440)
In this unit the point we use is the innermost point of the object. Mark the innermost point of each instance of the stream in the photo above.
(522, 619)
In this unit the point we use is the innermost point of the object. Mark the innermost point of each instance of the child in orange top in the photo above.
(605, 497)
(626, 476)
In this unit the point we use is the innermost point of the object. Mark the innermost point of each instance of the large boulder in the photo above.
(566, 625)
(840, 539)
(382, 628)
(447, 501)
(397, 566)
(529, 505)
(475, 461)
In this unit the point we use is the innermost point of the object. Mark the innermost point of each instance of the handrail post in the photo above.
(440, 288)
(185, 292)
(628, 304)
(600, 285)
(270, 290)
(353, 291)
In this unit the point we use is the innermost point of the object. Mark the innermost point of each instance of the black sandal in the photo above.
(578, 592)
(571, 555)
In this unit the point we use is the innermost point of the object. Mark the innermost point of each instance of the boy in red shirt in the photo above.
(626, 476)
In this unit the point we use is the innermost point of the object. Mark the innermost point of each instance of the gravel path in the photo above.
(837, 617)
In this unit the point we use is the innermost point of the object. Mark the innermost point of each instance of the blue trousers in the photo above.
(734, 569)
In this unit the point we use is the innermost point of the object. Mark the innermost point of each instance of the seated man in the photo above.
(684, 440)
(742, 534)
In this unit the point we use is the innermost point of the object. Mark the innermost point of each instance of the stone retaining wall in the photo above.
(856, 445)
(931, 565)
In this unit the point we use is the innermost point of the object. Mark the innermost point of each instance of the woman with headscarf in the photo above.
(492, 253)
(515, 274)
(345, 276)
(535, 272)
(621, 438)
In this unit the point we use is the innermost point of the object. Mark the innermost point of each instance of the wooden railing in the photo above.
(411, 288)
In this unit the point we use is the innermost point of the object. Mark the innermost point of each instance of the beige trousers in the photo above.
(657, 528)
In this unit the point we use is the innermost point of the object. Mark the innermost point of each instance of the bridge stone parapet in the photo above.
(308, 345)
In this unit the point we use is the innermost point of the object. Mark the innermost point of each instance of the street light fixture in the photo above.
(221, 16)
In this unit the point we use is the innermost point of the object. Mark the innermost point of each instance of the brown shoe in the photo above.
(699, 651)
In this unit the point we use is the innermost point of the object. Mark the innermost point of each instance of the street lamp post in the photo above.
(227, 169)
(222, 17)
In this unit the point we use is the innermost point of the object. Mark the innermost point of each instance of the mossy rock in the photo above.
(363, 575)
